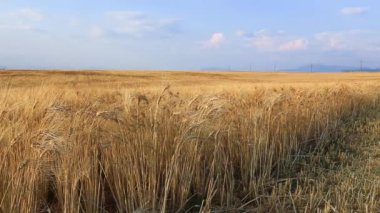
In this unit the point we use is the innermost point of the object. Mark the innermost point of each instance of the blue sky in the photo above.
(188, 35)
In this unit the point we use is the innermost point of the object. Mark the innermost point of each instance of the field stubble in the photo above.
(85, 142)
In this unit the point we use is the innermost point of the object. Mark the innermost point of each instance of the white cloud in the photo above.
(353, 11)
(135, 23)
(216, 40)
(298, 44)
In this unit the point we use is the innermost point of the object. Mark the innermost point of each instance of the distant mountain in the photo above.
(309, 68)
(332, 68)
(322, 68)
(364, 70)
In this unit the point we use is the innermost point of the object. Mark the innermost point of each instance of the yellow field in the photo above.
(138, 79)
(112, 141)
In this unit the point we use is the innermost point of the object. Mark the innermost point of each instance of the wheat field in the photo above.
(135, 141)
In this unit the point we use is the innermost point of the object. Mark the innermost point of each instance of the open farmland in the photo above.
(80, 141)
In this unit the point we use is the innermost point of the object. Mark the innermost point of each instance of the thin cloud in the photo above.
(126, 15)
(215, 41)
(349, 11)
(96, 32)
(138, 24)
(267, 40)
(352, 41)
(331, 40)
(27, 14)
(262, 39)
(264, 42)
(24, 19)
(298, 44)
(244, 34)
(74, 22)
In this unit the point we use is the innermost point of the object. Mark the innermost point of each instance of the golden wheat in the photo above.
(77, 144)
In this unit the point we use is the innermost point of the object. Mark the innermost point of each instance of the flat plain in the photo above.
(168, 141)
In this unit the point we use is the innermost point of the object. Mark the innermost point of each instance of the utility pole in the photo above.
(311, 67)
(361, 65)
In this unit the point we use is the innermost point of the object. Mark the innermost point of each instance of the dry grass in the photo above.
(235, 142)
